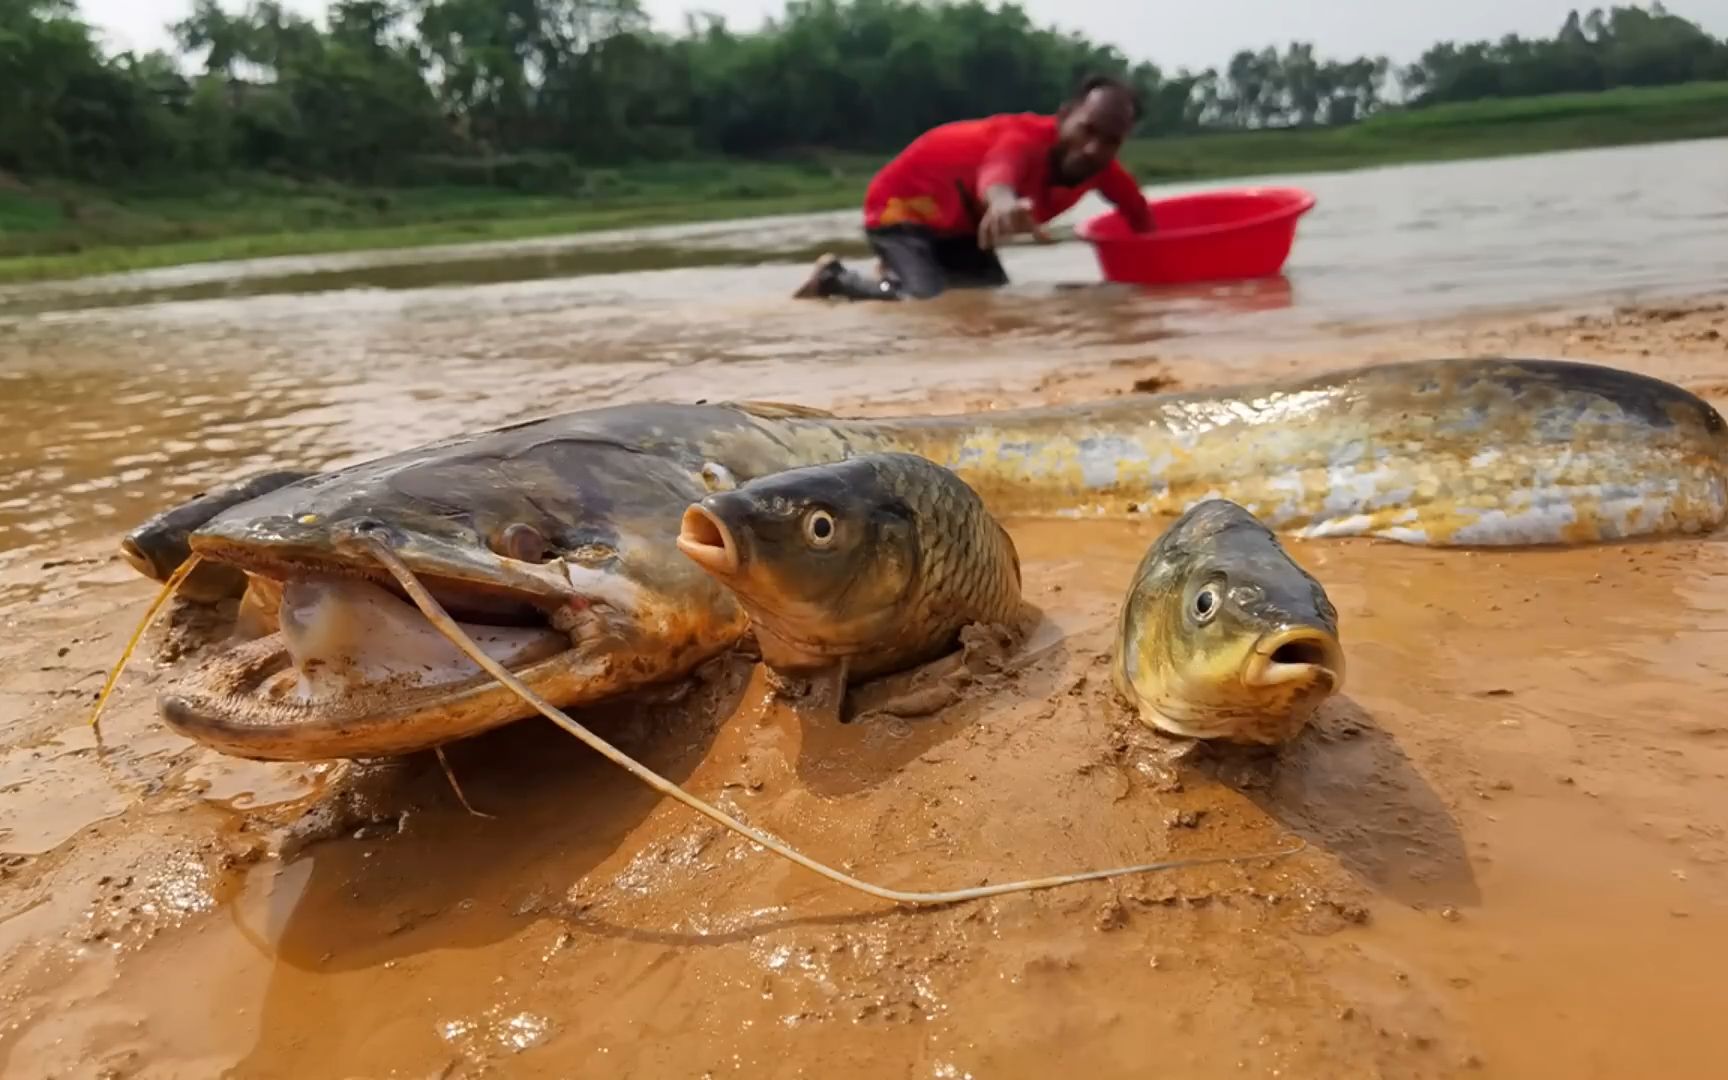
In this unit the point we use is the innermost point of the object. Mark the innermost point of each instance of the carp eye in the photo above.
(523, 543)
(1206, 604)
(819, 528)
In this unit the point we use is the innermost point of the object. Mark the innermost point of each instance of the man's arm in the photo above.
(1120, 187)
(1001, 175)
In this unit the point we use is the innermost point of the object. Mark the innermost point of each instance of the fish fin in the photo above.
(924, 701)
(828, 691)
(817, 694)
(923, 691)
(778, 410)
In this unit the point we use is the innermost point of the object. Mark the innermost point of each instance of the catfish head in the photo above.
(555, 555)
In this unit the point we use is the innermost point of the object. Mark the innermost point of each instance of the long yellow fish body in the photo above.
(1437, 453)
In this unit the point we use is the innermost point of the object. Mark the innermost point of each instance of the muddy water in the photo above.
(1517, 817)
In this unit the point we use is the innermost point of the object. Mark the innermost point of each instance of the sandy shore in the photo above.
(1517, 817)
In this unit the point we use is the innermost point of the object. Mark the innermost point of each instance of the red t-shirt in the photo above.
(939, 179)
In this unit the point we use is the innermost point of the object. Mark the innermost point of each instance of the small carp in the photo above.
(871, 565)
(1222, 635)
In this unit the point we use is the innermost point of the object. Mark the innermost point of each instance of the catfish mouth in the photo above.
(344, 665)
(139, 560)
(354, 670)
(332, 661)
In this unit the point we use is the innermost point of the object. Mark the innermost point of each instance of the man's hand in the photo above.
(1006, 215)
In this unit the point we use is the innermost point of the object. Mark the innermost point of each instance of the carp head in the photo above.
(1222, 635)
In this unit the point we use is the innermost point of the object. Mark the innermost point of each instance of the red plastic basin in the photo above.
(1226, 235)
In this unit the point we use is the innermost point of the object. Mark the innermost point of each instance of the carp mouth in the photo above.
(1298, 654)
(708, 542)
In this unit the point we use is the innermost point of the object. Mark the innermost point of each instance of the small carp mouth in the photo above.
(1301, 654)
(708, 542)
(1265, 702)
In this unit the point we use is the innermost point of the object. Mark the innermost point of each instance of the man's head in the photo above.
(1091, 126)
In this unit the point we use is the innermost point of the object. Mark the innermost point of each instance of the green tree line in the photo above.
(523, 92)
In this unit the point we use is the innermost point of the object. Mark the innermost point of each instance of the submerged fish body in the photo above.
(1222, 635)
(871, 565)
(570, 522)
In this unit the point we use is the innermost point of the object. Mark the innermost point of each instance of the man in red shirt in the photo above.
(935, 214)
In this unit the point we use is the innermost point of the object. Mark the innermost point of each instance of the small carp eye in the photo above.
(523, 543)
(1206, 604)
(819, 528)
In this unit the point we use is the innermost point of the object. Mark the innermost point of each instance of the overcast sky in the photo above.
(1172, 33)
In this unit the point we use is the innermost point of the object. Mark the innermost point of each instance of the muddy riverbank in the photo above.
(1517, 814)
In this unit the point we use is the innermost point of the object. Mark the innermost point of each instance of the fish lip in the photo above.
(1296, 653)
(139, 561)
(526, 587)
(705, 539)
(236, 721)
(218, 704)
(221, 703)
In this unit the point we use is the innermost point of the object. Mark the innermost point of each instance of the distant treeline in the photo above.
(523, 91)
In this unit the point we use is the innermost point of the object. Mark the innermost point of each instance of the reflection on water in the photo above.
(123, 394)
(612, 255)
(99, 438)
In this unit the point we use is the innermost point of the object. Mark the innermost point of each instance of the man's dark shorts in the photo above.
(924, 263)
(918, 264)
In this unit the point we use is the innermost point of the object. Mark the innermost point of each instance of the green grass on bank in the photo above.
(1447, 132)
(60, 230)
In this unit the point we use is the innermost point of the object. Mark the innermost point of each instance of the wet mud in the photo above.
(1516, 819)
